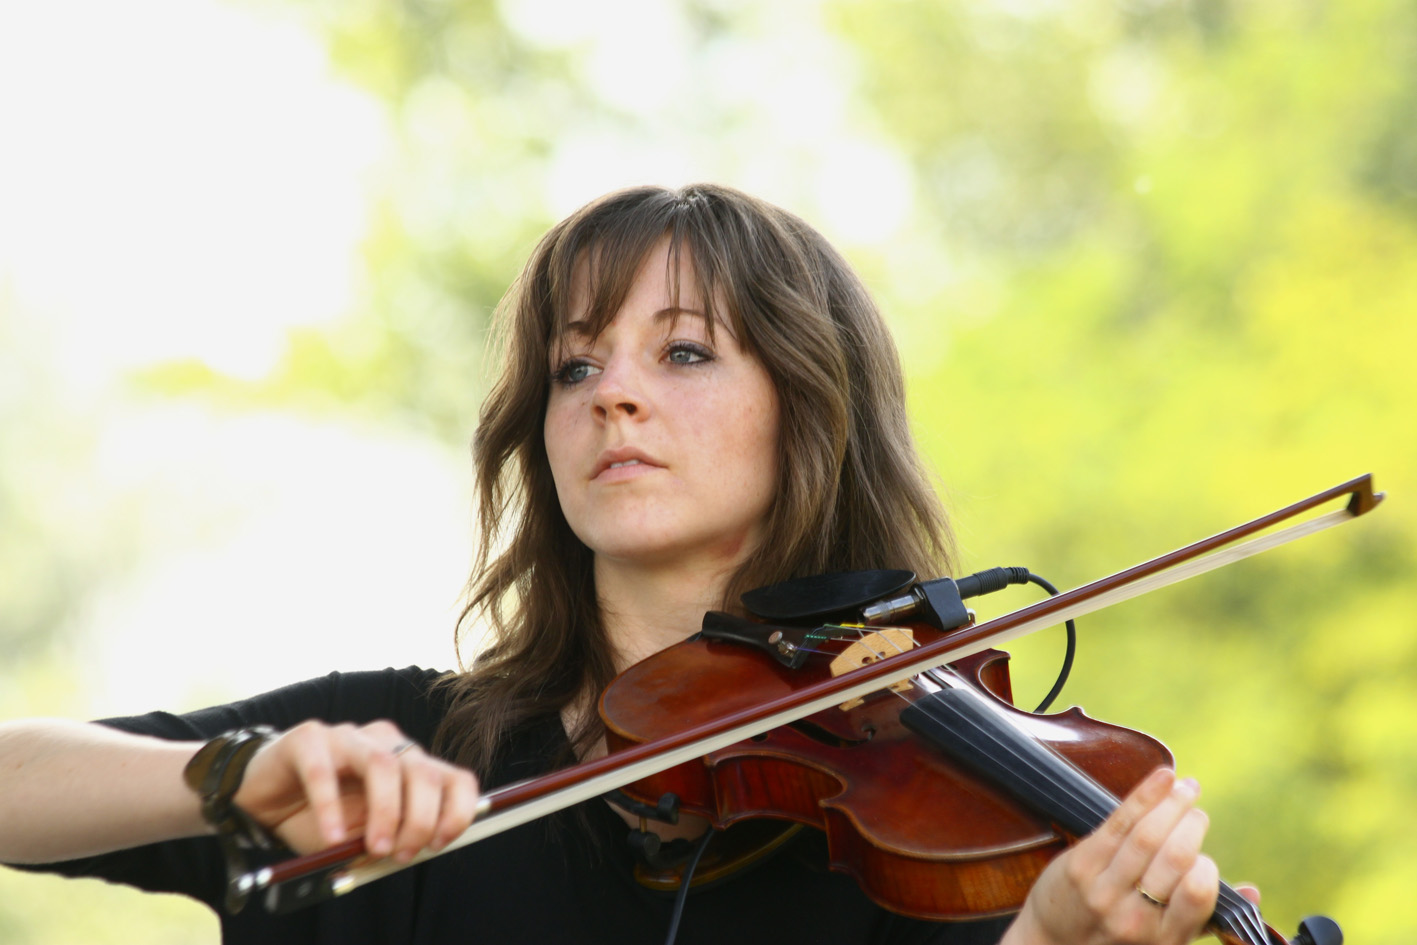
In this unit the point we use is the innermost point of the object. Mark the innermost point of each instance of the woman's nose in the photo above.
(619, 391)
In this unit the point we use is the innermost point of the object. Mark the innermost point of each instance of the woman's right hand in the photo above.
(317, 785)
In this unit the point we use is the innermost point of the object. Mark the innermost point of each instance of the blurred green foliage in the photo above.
(1160, 277)
(1189, 269)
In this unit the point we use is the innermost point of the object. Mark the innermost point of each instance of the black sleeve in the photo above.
(194, 866)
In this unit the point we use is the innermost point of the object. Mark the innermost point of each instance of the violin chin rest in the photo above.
(1318, 930)
(822, 596)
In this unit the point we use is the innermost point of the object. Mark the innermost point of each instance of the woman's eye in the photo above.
(573, 372)
(684, 352)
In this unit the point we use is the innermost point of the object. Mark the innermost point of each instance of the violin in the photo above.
(961, 832)
(942, 800)
(922, 835)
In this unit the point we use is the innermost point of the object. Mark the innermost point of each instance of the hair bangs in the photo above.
(600, 255)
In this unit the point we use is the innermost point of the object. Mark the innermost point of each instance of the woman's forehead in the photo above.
(600, 285)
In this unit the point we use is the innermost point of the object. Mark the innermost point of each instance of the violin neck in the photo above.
(984, 739)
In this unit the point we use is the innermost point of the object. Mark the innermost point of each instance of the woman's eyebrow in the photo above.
(581, 328)
(674, 311)
(714, 323)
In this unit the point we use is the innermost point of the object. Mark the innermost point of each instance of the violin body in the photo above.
(922, 836)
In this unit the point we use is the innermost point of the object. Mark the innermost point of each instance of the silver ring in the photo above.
(402, 747)
(1150, 898)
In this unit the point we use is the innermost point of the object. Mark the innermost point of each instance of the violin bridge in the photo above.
(875, 644)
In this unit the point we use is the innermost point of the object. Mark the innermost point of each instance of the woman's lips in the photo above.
(620, 465)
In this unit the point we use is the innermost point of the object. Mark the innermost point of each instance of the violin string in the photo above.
(852, 633)
(859, 635)
(1098, 800)
(1086, 796)
(1097, 806)
(812, 649)
(1243, 922)
(1237, 914)
(1240, 916)
(1082, 791)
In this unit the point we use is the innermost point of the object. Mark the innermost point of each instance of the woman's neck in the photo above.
(644, 610)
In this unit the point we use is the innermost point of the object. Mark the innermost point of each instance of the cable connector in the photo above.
(994, 579)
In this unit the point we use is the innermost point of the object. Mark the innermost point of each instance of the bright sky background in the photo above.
(180, 178)
(189, 179)
(186, 179)
(803, 144)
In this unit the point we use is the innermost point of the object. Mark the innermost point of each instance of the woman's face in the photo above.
(662, 441)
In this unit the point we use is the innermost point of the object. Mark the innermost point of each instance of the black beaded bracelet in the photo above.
(215, 774)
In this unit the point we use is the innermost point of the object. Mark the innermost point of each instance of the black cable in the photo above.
(1068, 654)
(996, 579)
(684, 883)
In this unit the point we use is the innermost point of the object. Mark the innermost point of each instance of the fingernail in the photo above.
(1187, 788)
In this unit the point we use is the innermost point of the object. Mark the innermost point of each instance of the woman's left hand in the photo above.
(1139, 878)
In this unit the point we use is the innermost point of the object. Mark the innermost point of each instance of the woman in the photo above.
(698, 398)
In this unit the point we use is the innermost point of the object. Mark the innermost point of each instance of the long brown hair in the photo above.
(851, 493)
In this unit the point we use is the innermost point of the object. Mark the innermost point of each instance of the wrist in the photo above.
(215, 773)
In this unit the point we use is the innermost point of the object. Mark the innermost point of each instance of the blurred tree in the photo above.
(1158, 278)
(1185, 267)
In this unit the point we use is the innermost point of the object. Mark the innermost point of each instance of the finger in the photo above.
(1148, 836)
(1250, 892)
(1192, 903)
(1167, 841)
(373, 758)
(460, 797)
(309, 749)
(1098, 851)
(422, 804)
